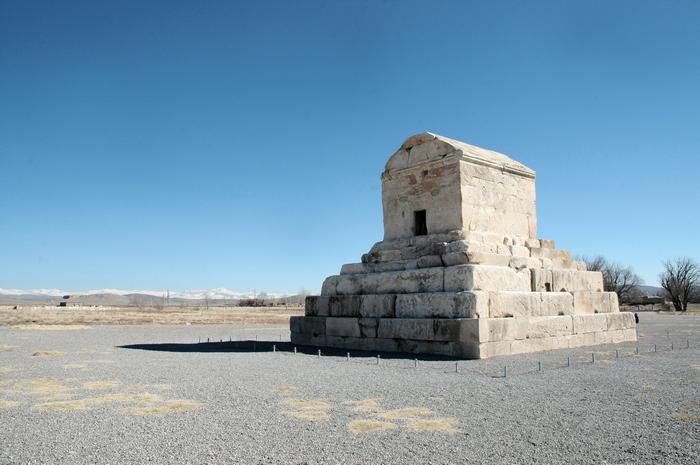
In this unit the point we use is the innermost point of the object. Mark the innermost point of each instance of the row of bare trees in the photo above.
(680, 280)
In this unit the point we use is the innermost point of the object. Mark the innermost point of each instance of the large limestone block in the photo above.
(574, 280)
(549, 326)
(329, 286)
(541, 280)
(512, 304)
(308, 339)
(524, 304)
(344, 305)
(392, 282)
(343, 327)
(494, 349)
(316, 305)
(421, 329)
(556, 303)
(619, 321)
(315, 325)
(368, 326)
(447, 348)
(523, 346)
(524, 262)
(590, 323)
(586, 302)
(378, 305)
(581, 340)
(503, 329)
(486, 278)
(442, 305)
(353, 268)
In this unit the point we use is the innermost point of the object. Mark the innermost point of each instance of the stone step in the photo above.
(451, 279)
(470, 338)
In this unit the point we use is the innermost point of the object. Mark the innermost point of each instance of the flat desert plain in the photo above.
(77, 391)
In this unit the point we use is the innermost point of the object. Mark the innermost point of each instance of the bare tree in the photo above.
(680, 278)
(616, 278)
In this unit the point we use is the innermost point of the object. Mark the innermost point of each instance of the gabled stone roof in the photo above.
(427, 147)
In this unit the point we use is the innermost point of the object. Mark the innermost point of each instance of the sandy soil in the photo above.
(56, 317)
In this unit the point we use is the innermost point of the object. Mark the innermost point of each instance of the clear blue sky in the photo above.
(184, 145)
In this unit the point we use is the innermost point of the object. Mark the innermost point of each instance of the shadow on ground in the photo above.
(251, 346)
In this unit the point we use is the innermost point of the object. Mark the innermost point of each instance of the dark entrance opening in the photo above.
(420, 225)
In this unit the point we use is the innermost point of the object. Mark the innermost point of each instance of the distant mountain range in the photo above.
(118, 297)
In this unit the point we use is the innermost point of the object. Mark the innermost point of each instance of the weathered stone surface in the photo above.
(485, 258)
(329, 286)
(420, 329)
(349, 327)
(504, 329)
(624, 320)
(316, 305)
(429, 261)
(344, 305)
(442, 305)
(353, 268)
(519, 251)
(524, 262)
(315, 325)
(307, 339)
(486, 278)
(590, 323)
(392, 282)
(525, 304)
(587, 302)
(378, 305)
(573, 280)
(549, 326)
(368, 326)
(541, 280)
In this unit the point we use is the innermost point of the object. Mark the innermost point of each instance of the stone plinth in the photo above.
(460, 271)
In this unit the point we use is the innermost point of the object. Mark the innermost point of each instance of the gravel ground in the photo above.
(81, 396)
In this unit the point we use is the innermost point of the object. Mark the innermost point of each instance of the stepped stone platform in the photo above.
(460, 271)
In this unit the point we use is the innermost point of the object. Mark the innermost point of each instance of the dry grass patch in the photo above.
(439, 425)
(408, 412)
(308, 409)
(365, 405)
(309, 415)
(49, 327)
(100, 385)
(177, 405)
(369, 426)
(87, 351)
(285, 389)
(40, 387)
(4, 347)
(47, 353)
(9, 370)
(680, 416)
(88, 403)
(74, 366)
(160, 387)
(308, 404)
(8, 403)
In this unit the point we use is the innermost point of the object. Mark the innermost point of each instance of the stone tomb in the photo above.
(460, 271)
